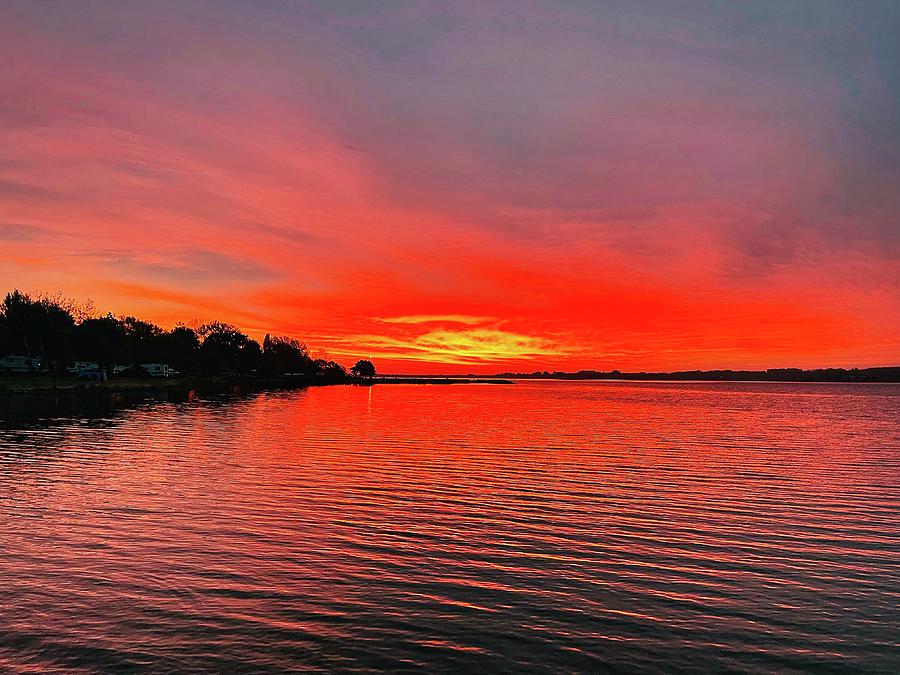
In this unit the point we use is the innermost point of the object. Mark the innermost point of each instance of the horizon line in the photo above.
(546, 373)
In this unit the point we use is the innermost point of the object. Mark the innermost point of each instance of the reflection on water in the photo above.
(540, 526)
(23, 410)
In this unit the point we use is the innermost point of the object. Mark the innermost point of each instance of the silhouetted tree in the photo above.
(178, 348)
(79, 310)
(101, 340)
(226, 349)
(141, 340)
(283, 355)
(6, 341)
(363, 368)
(329, 371)
(36, 327)
(249, 357)
(20, 323)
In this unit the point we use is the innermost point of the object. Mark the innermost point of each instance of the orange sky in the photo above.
(474, 187)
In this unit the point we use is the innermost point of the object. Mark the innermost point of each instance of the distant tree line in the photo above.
(885, 374)
(59, 331)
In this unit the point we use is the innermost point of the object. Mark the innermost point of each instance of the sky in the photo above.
(466, 187)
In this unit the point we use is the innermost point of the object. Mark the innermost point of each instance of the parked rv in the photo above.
(20, 365)
(93, 374)
(157, 369)
(77, 367)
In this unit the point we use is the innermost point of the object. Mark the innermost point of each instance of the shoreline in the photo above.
(41, 384)
(29, 399)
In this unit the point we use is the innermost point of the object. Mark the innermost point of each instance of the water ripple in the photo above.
(539, 527)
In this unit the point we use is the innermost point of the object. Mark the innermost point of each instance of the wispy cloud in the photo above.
(187, 266)
(16, 232)
(475, 346)
(438, 318)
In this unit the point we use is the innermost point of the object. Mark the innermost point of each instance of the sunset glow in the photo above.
(470, 187)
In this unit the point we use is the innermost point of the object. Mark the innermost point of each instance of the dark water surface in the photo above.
(542, 526)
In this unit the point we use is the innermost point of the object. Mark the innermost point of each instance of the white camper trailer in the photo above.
(20, 365)
(156, 369)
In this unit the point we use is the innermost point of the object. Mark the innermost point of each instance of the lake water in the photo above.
(541, 526)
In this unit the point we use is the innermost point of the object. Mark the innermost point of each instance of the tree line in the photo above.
(59, 331)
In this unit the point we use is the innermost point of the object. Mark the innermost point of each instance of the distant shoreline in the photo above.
(835, 375)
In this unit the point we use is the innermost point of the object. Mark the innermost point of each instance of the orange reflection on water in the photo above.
(564, 525)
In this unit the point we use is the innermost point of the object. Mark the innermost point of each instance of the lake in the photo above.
(540, 526)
